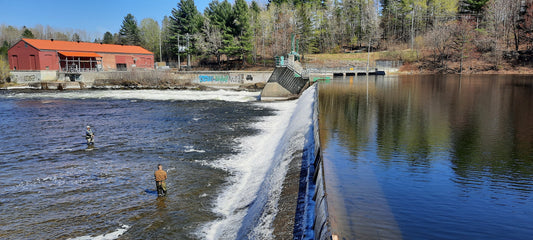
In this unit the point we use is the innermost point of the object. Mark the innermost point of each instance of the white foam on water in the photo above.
(248, 204)
(133, 95)
(189, 149)
(108, 236)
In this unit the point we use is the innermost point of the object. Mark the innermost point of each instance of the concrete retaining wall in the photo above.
(321, 227)
(25, 77)
(312, 218)
(222, 79)
(218, 78)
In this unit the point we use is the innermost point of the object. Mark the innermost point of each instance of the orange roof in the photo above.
(84, 46)
(79, 54)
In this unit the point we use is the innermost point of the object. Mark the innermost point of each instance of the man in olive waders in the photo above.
(160, 177)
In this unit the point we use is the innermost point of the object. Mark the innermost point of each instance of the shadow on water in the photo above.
(150, 192)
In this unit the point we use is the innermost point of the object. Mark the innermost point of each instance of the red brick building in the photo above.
(63, 56)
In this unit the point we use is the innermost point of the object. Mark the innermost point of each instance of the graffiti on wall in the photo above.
(210, 79)
(221, 78)
(29, 78)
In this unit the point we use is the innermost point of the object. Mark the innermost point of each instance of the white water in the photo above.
(162, 95)
(248, 205)
(108, 236)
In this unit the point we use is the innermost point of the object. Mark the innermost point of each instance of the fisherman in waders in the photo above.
(89, 136)
(160, 177)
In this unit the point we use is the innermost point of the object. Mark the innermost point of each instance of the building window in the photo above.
(25, 45)
(122, 67)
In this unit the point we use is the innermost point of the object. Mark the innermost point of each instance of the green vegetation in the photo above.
(129, 33)
(26, 33)
(4, 70)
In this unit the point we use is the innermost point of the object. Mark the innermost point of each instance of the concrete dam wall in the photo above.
(312, 217)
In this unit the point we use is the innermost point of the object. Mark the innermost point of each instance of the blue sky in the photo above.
(94, 16)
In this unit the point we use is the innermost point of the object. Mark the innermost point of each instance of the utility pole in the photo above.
(188, 53)
(179, 50)
(160, 51)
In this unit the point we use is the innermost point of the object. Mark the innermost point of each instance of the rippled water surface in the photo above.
(55, 187)
(429, 157)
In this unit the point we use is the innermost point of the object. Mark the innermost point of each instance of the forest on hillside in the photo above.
(436, 34)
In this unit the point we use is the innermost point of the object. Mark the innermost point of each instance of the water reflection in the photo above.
(481, 121)
(470, 133)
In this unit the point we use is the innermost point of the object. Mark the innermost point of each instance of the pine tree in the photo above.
(76, 37)
(473, 6)
(185, 21)
(26, 33)
(255, 11)
(220, 15)
(3, 50)
(242, 30)
(108, 38)
(305, 29)
(129, 33)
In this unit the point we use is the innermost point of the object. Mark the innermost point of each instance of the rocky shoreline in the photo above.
(61, 86)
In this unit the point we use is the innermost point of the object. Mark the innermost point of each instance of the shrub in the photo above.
(4, 70)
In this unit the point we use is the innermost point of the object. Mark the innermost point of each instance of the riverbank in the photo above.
(413, 62)
(117, 85)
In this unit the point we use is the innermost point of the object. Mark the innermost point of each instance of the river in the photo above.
(220, 149)
(429, 157)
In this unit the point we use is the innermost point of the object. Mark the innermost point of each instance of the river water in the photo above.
(217, 147)
(429, 157)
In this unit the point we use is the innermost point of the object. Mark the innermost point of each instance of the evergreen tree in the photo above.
(220, 15)
(185, 21)
(255, 25)
(76, 37)
(165, 39)
(473, 6)
(242, 30)
(305, 29)
(3, 50)
(26, 33)
(129, 33)
(108, 38)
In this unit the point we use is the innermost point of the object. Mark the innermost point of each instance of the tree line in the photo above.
(248, 32)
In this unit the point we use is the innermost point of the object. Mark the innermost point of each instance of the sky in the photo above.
(94, 16)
